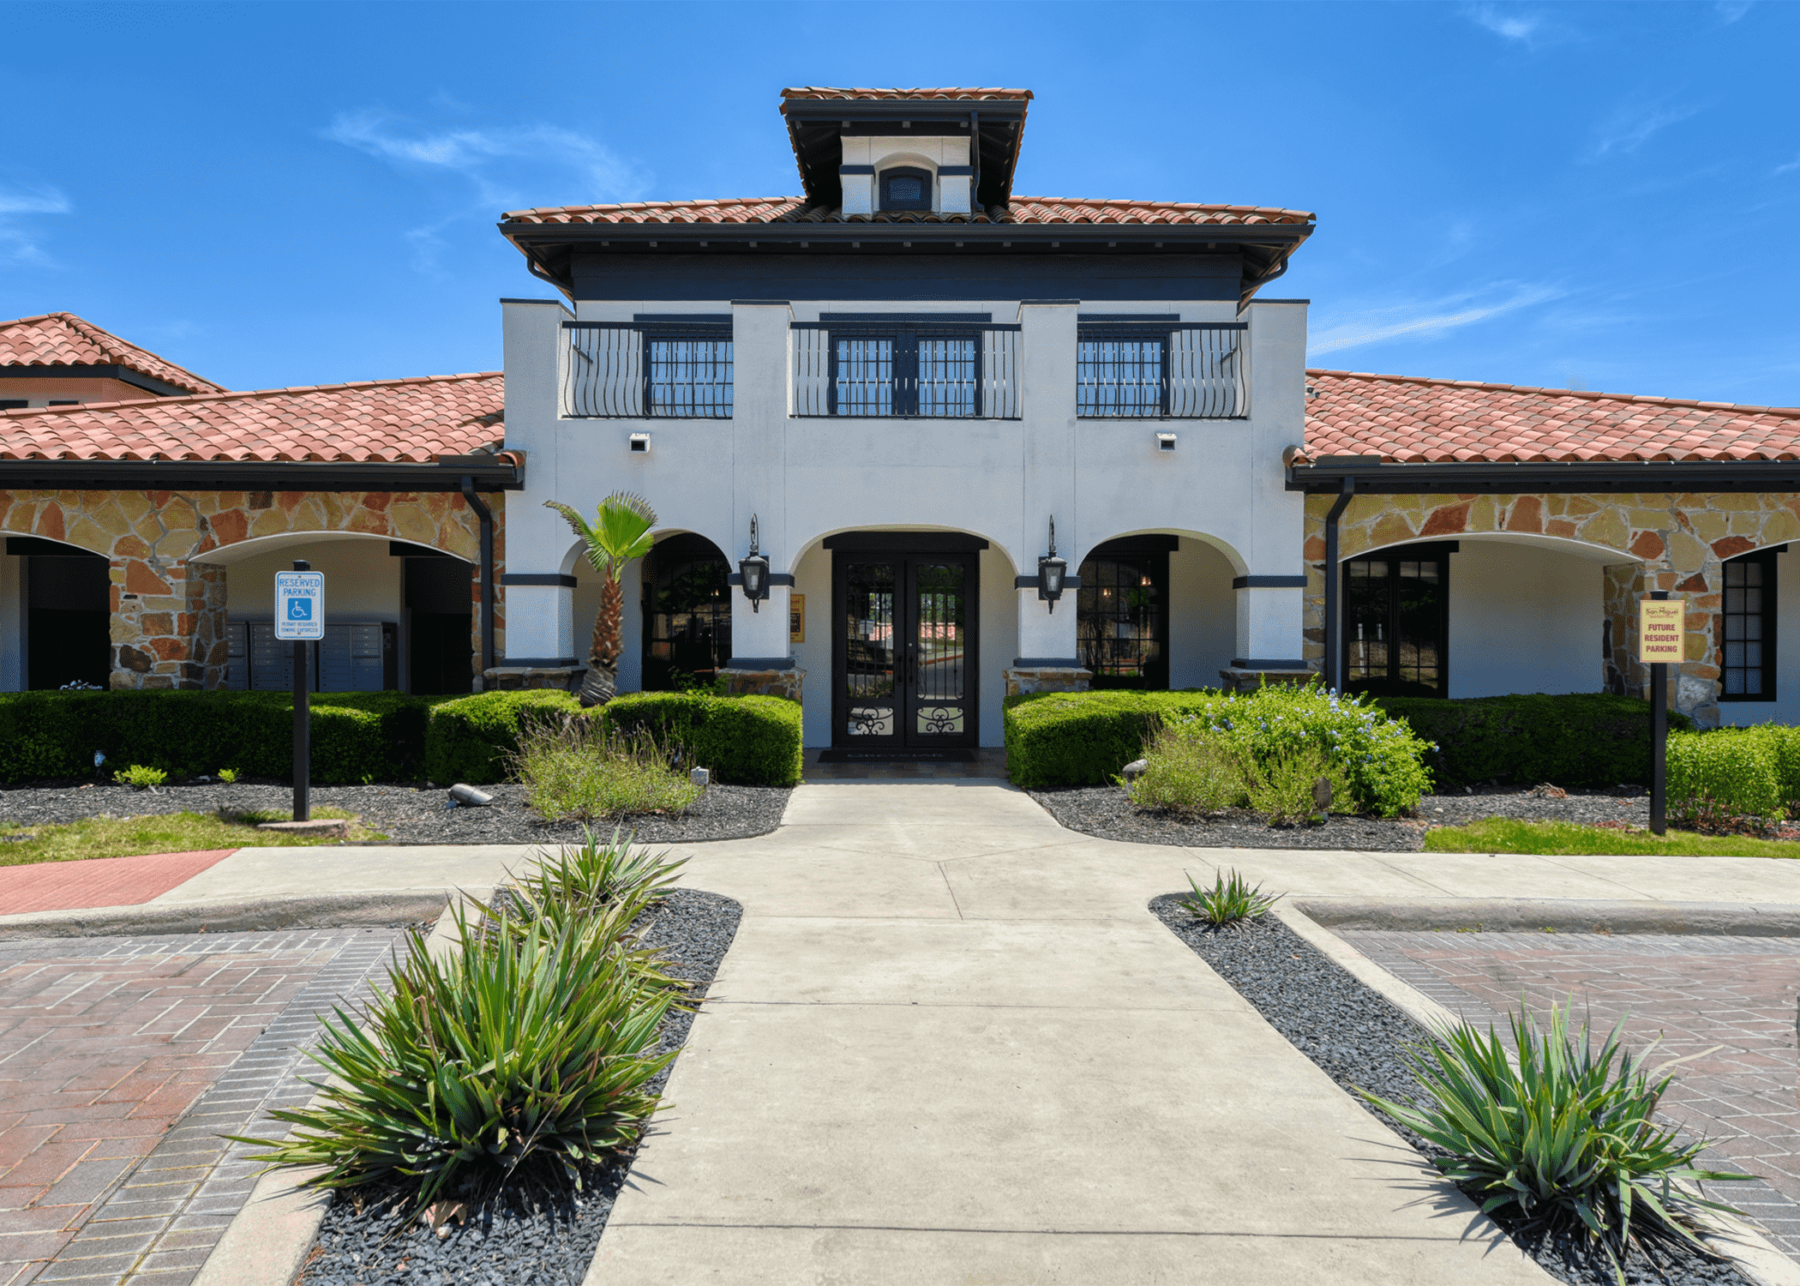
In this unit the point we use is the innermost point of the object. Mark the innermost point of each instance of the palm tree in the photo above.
(622, 534)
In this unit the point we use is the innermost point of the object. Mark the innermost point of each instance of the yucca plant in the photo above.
(1564, 1135)
(1229, 902)
(621, 534)
(529, 1045)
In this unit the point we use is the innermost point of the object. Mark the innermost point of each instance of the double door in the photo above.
(904, 650)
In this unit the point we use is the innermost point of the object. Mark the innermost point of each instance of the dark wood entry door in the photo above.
(904, 655)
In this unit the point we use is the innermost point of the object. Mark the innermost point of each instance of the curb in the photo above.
(313, 911)
(1749, 1250)
(1560, 915)
(267, 1241)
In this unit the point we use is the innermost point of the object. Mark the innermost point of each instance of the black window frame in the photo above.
(672, 559)
(1149, 556)
(1436, 551)
(651, 333)
(904, 381)
(927, 191)
(1771, 571)
(1162, 331)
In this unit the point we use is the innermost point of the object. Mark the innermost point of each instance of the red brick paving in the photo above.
(104, 1045)
(1694, 993)
(100, 881)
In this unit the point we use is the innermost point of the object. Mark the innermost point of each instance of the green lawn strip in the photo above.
(155, 833)
(1506, 835)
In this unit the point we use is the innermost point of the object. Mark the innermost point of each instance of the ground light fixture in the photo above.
(754, 569)
(1051, 571)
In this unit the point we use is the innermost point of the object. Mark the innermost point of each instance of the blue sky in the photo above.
(272, 194)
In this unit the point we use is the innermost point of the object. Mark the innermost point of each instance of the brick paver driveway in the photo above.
(122, 1060)
(1696, 993)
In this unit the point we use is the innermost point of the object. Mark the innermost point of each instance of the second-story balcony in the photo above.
(679, 369)
(1141, 368)
(945, 367)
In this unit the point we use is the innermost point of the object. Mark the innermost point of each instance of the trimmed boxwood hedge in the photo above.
(1574, 739)
(750, 741)
(1085, 738)
(1753, 771)
(356, 736)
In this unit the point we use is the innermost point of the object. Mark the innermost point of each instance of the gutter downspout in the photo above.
(975, 205)
(486, 517)
(1333, 650)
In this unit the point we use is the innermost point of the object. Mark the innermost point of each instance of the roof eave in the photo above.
(503, 472)
(1327, 477)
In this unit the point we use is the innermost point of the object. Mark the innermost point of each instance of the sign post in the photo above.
(300, 616)
(1661, 639)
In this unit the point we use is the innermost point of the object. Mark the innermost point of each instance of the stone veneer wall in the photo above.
(1669, 542)
(168, 602)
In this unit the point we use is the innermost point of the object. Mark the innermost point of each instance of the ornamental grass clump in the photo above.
(1563, 1137)
(1230, 902)
(574, 771)
(1188, 771)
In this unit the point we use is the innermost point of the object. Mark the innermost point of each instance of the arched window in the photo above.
(905, 189)
(687, 613)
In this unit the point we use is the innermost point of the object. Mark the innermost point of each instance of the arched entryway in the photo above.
(64, 597)
(1156, 610)
(686, 607)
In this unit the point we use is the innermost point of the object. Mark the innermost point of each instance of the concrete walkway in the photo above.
(950, 1044)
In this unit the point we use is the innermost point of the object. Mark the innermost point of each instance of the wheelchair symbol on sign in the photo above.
(299, 609)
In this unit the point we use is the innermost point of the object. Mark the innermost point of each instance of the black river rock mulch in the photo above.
(1107, 812)
(406, 814)
(528, 1234)
(1354, 1035)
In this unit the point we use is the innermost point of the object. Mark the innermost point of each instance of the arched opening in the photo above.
(1157, 610)
(686, 613)
(65, 627)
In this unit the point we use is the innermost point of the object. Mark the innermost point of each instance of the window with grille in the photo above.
(1396, 622)
(1155, 370)
(1747, 660)
(911, 370)
(905, 190)
(687, 613)
(638, 369)
(1122, 613)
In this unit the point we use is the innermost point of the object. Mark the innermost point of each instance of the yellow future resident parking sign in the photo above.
(1660, 630)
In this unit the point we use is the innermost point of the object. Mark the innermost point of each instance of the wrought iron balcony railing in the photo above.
(966, 370)
(647, 369)
(1162, 370)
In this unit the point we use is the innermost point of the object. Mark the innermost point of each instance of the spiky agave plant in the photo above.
(621, 534)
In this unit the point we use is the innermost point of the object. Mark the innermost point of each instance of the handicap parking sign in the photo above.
(299, 605)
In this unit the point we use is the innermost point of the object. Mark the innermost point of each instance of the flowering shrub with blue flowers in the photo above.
(1086, 738)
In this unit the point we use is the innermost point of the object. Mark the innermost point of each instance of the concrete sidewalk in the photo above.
(951, 1044)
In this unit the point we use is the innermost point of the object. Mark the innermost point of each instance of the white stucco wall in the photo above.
(1786, 706)
(812, 577)
(1202, 615)
(1523, 619)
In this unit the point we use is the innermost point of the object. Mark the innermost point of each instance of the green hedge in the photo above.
(1745, 770)
(1576, 739)
(750, 741)
(1086, 738)
(356, 736)
(470, 738)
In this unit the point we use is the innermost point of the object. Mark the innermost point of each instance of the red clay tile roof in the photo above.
(1022, 209)
(389, 421)
(819, 91)
(63, 339)
(1409, 419)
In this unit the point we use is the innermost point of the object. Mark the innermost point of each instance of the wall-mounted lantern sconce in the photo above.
(755, 571)
(1165, 441)
(640, 443)
(1051, 571)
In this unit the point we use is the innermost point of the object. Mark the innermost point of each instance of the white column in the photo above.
(759, 471)
(539, 618)
(1268, 627)
(1047, 344)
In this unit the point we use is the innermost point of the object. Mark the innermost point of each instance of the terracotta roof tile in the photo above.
(1021, 209)
(1410, 419)
(819, 91)
(406, 421)
(63, 339)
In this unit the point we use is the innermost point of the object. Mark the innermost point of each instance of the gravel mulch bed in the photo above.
(406, 814)
(1354, 1035)
(1107, 812)
(526, 1234)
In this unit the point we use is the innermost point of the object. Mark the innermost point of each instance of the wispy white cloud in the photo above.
(483, 156)
(1730, 11)
(1507, 22)
(1788, 168)
(1632, 126)
(1426, 319)
(19, 242)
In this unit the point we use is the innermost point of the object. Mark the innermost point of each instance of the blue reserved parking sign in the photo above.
(300, 605)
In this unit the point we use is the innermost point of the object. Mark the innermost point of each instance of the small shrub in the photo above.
(1281, 786)
(750, 740)
(1559, 1135)
(1187, 772)
(141, 777)
(576, 771)
(470, 739)
(1229, 902)
(529, 1046)
(593, 878)
(1728, 771)
(228, 775)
